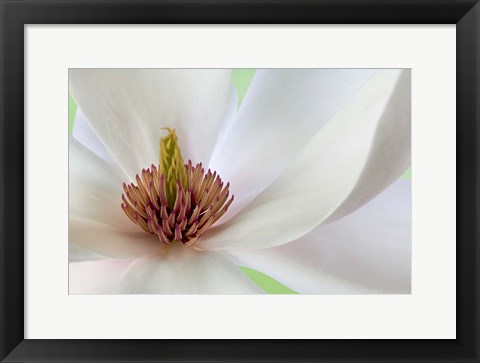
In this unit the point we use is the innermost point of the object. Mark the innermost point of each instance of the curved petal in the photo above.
(229, 114)
(354, 157)
(95, 188)
(183, 270)
(112, 242)
(78, 253)
(95, 277)
(368, 251)
(127, 109)
(84, 134)
(96, 220)
(281, 112)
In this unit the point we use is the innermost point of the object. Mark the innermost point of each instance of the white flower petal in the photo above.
(229, 114)
(95, 277)
(77, 253)
(353, 158)
(127, 109)
(368, 251)
(183, 270)
(113, 242)
(281, 112)
(95, 188)
(96, 220)
(84, 134)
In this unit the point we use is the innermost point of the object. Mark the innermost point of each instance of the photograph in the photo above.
(239, 181)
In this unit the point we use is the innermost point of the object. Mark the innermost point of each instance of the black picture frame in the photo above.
(15, 14)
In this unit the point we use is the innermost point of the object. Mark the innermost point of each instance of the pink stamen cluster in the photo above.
(196, 208)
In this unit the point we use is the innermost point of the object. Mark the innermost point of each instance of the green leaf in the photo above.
(72, 111)
(265, 282)
(407, 174)
(241, 79)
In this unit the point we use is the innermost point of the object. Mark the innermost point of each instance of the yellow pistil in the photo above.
(172, 165)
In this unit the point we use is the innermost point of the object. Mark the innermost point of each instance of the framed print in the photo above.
(239, 181)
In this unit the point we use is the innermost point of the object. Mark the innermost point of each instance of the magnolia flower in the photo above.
(312, 157)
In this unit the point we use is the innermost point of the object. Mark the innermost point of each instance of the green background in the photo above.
(241, 79)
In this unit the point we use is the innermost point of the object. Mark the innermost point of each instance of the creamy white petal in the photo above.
(112, 242)
(96, 220)
(353, 158)
(183, 270)
(95, 277)
(95, 188)
(127, 109)
(84, 134)
(368, 251)
(77, 253)
(281, 112)
(229, 114)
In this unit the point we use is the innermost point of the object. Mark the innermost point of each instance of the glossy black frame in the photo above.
(16, 13)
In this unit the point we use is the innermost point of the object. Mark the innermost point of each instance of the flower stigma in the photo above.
(176, 201)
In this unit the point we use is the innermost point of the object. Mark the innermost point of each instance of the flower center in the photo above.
(176, 201)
